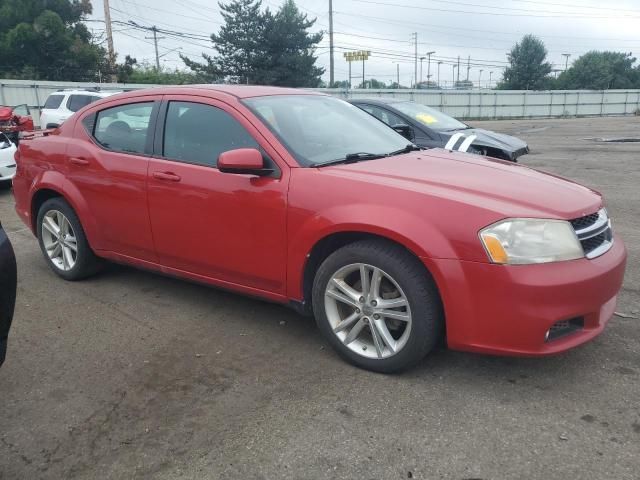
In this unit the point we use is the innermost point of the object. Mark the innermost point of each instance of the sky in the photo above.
(483, 30)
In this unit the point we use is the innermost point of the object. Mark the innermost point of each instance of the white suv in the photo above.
(61, 105)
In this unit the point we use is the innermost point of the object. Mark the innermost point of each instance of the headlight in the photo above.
(522, 241)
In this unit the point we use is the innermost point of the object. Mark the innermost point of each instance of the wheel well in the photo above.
(39, 198)
(326, 247)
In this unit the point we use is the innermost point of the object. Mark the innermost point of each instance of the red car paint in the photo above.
(13, 124)
(254, 234)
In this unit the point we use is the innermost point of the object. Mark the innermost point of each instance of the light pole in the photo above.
(480, 78)
(429, 66)
(490, 75)
(439, 63)
(397, 74)
(421, 59)
(566, 60)
(453, 82)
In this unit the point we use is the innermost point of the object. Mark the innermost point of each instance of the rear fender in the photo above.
(52, 180)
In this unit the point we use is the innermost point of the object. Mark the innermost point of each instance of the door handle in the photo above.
(79, 161)
(167, 176)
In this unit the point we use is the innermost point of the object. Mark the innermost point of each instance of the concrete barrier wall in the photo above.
(463, 104)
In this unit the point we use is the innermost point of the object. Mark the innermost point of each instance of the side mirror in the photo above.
(247, 161)
(4, 144)
(403, 129)
(23, 120)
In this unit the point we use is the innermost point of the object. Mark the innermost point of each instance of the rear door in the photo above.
(107, 162)
(226, 227)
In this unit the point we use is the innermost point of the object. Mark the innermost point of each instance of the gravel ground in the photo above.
(134, 375)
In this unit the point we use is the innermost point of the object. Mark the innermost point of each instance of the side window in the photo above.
(76, 102)
(385, 115)
(197, 133)
(22, 110)
(53, 102)
(123, 128)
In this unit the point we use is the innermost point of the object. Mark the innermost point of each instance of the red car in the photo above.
(304, 199)
(14, 120)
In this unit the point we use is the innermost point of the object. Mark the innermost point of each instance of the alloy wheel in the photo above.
(59, 240)
(368, 311)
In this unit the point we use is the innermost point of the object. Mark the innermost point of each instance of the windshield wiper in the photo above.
(410, 147)
(352, 158)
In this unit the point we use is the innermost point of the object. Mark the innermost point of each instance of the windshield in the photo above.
(428, 116)
(319, 129)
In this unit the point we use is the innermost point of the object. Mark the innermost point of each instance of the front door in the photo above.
(226, 227)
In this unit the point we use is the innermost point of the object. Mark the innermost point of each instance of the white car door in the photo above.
(7, 160)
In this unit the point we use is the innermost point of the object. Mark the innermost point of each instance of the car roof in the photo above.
(237, 91)
(97, 93)
(379, 101)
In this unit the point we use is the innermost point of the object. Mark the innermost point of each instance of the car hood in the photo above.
(486, 138)
(505, 188)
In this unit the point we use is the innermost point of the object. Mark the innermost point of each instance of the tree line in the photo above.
(50, 40)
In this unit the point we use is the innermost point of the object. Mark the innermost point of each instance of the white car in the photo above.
(7, 161)
(61, 105)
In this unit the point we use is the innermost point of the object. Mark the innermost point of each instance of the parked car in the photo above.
(7, 161)
(7, 290)
(14, 121)
(429, 128)
(61, 105)
(304, 199)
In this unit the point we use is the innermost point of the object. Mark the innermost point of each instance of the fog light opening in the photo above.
(564, 328)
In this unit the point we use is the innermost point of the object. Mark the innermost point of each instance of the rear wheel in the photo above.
(63, 241)
(377, 306)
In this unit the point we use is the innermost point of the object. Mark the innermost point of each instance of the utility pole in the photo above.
(490, 75)
(397, 74)
(453, 79)
(331, 77)
(415, 59)
(439, 63)
(155, 39)
(458, 79)
(429, 66)
(480, 78)
(566, 60)
(110, 49)
(421, 59)
(468, 66)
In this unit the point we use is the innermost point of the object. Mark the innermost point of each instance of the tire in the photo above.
(415, 325)
(80, 264)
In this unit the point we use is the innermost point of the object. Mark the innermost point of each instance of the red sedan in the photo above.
(303, 199)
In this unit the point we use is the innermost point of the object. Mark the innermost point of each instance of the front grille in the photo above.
(594, 232)
(564, 327)
(584, 222)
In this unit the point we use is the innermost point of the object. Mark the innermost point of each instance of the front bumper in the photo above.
(508, 310)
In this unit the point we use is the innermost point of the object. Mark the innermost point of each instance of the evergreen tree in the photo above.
(528, 68)
(262, 47)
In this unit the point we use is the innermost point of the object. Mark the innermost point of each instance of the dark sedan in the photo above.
(430, 128)
(7, 290)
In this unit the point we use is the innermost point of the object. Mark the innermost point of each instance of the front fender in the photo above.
(400, 226)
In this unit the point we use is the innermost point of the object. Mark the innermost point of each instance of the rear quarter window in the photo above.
(76, 102)
(53, 102)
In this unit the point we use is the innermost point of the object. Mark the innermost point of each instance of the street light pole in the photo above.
(490, 75)
(421, 59)
(439, 63)
(453, 82)
(480, 79)
(429, 66)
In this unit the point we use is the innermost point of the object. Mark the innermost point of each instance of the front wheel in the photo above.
(377, 306)
(63, 241)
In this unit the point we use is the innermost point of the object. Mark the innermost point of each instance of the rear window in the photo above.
(76, 102)
(53, 101)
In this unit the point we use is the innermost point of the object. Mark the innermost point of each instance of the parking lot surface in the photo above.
(135, 375)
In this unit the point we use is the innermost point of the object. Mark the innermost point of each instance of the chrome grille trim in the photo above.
(597, 237)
